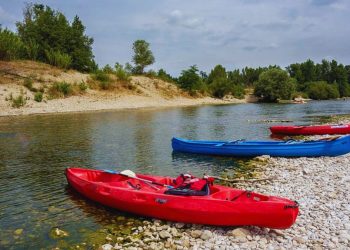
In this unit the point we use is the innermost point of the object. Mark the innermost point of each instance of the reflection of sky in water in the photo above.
(35, 150)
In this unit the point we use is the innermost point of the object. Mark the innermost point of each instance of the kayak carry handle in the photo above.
(296, 205)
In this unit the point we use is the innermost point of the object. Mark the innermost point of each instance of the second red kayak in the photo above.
(221, 206)
(311, 130)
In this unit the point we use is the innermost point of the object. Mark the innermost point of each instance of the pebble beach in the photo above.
(320, 185)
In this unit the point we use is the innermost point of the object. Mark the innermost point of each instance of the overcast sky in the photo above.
(208, 32)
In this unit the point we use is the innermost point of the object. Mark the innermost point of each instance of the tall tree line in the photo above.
(46, 35)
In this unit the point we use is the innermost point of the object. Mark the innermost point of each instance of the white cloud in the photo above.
(209, 32)
(178, 18)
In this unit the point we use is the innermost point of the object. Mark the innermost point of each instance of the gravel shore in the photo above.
(320, 185)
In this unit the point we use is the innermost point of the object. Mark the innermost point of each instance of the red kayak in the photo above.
(222, 206)
(311, 130)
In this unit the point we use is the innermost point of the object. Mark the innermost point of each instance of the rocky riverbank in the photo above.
(320, 185)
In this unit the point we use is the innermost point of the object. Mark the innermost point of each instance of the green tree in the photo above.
(235, 77)
(342, 81)
(251, 75)
(143, 55)
(219, 72)
(11, 46)
(222, 83)
(325, 69)
(44, 29)
(294, 71)
(162, 74)
(308, 70)
(80, 47)
(321, 90)
(191, 81)
(274, 84)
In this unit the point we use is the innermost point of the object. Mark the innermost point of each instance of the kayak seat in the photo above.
(187, 191)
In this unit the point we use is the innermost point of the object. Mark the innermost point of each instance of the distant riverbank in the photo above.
(88, 103)
(28, 87)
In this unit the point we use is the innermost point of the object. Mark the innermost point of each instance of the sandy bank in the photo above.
(138, 92)
(91, 103)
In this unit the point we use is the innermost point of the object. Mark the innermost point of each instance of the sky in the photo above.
(233, 33)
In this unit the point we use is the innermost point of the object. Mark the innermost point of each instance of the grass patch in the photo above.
(63, 89)
(122, 74)
(28, 83)
(19, 101)
(83, 86)
(38, 97)
(103, 80)
(60, 90)
(105, 85)
(101, 76)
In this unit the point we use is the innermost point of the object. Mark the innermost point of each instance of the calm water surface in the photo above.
(35, 150)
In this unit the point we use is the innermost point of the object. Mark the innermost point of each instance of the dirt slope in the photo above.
(139, 92)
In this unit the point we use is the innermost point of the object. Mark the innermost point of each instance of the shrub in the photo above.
(163, 75)
(38, 97)
(104, 80)
(238, 91)
(11, 46)
(121, 73)
(274, 84)
(322, 90)
(221, 87)
(18, 101)
(151, 73)
(191, 81)
(83, 86)
(32, 50)
(57, 58)
(108, 69)
(101, 76)
(300, 94)
(28, 83)
(105, 85)
(60, 89)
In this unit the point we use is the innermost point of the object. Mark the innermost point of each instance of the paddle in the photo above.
(131, 174)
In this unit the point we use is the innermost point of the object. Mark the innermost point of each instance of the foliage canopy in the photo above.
(50, 37)
(143, 55)
(274, 84)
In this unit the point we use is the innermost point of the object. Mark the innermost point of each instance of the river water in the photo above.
(35, 150)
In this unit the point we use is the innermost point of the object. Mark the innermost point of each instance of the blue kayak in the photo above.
(241, 148)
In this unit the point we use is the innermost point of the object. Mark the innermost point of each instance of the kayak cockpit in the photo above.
(216, 192)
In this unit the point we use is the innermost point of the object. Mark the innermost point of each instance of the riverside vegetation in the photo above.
(47, 36)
